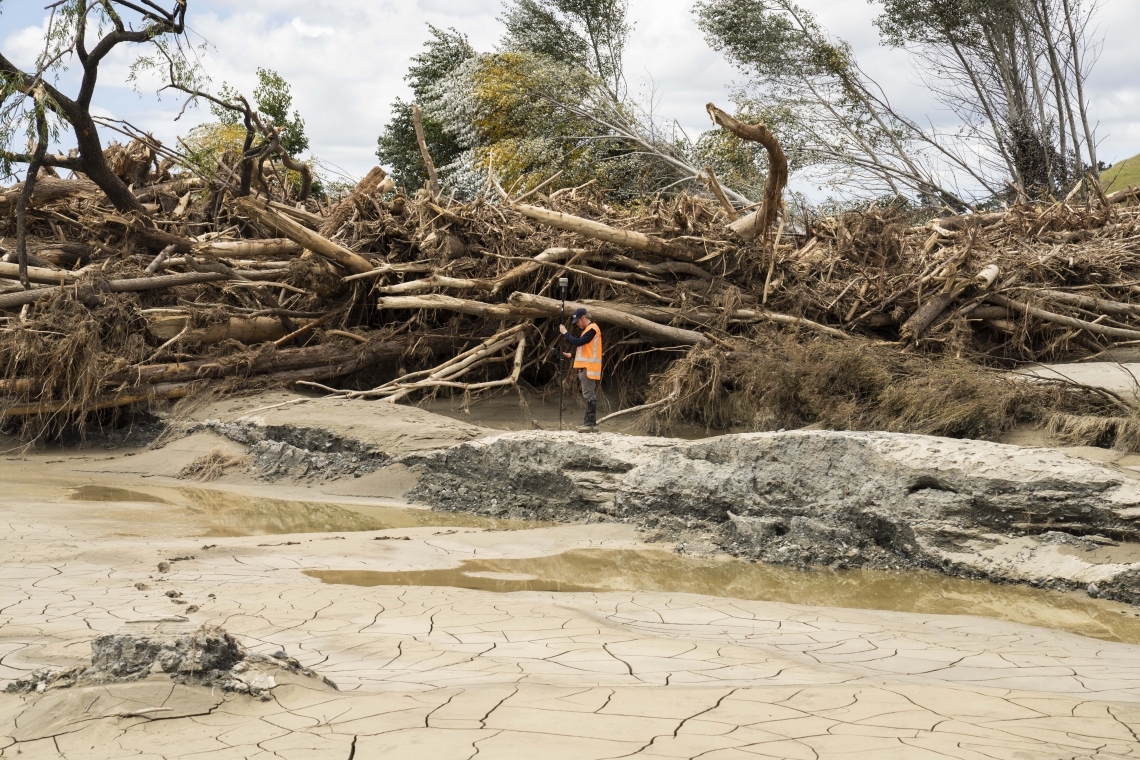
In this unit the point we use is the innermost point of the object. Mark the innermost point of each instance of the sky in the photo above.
(346, 59)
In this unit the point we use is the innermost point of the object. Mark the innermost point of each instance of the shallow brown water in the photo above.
(661, 571)
(224, 513)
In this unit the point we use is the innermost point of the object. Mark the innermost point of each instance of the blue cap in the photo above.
(578, 314)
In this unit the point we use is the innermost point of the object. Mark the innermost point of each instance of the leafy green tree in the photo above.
(845, 118)
(273, 97)
(444, 52)
(1012, 71)
(588, 34)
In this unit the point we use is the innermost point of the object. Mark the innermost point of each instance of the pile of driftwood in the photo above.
(381, 295)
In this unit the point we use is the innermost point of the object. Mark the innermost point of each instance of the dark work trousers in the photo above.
(589, 387)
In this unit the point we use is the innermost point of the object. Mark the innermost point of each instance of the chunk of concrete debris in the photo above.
(207, 656)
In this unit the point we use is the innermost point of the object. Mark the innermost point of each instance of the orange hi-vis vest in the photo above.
(589, 356)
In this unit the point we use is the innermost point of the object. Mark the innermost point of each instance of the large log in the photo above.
(38, 274)
(630, 321)
(758, 224)
(179, 380)
(179, 187)
(598, 231)
(441, 302)
(47, 189)
(709, 317)
(234, 248)
(301, 215)
(248, 330)
(343, 210)
(1048, 316)
(132, 285)
(549, 256)
(295, 231)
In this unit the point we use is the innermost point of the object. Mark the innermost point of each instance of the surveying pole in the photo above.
(563, 283)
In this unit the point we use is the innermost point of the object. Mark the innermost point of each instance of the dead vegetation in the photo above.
(870, 319)
(212, 466)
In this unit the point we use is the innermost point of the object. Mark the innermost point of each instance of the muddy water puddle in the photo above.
(220, 514)
(599, 570)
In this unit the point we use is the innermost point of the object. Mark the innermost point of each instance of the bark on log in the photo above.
(343, 210)
(603, 232)
(133, 285)
(172, 381)
(758, 224)
(47, 189)
(460, 305)
(630, 321)
(1100, 305)
(418, 123)
(925, 315)
(700, 317)
(247, 330)
(269, 247)
(302, 235)
(304, 217)
(177, 187)
(38, 274)
(1048, 316)
(550, 255)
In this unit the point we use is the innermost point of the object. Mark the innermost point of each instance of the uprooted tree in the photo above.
(32, 104)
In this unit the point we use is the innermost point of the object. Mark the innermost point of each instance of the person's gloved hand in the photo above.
(562, 329)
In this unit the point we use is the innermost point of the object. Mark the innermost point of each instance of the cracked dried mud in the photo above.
(452, 644)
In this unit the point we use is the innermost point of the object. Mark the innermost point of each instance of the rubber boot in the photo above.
(590, 424)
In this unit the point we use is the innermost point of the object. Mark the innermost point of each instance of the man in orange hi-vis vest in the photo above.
(588, 362)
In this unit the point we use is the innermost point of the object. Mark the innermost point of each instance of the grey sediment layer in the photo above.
(812, 498)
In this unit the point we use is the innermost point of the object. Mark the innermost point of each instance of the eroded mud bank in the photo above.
(839, 499)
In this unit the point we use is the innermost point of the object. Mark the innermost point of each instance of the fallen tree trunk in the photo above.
(248, 330)
(549, 256)
(628, 320)
(758, 224)
(418, 124)
(282, 225)
(914, 327)
(598, 231)
(38, 274)
(301, 215)
(705, 317)
(1048, 316)
(133, 285)
(178, 380)
(232, 248)
(174, 187)
(435, 281)
(46, 190)
(343, 210)
(1101, 305)
(459, 305)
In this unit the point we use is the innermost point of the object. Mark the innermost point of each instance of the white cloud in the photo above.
(346, 60)
(306, 30)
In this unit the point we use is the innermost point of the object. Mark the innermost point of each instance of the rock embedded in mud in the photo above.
(207, 656)
(127, 655)
(164, 567)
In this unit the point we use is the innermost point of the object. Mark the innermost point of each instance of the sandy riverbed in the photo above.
(451, 635)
